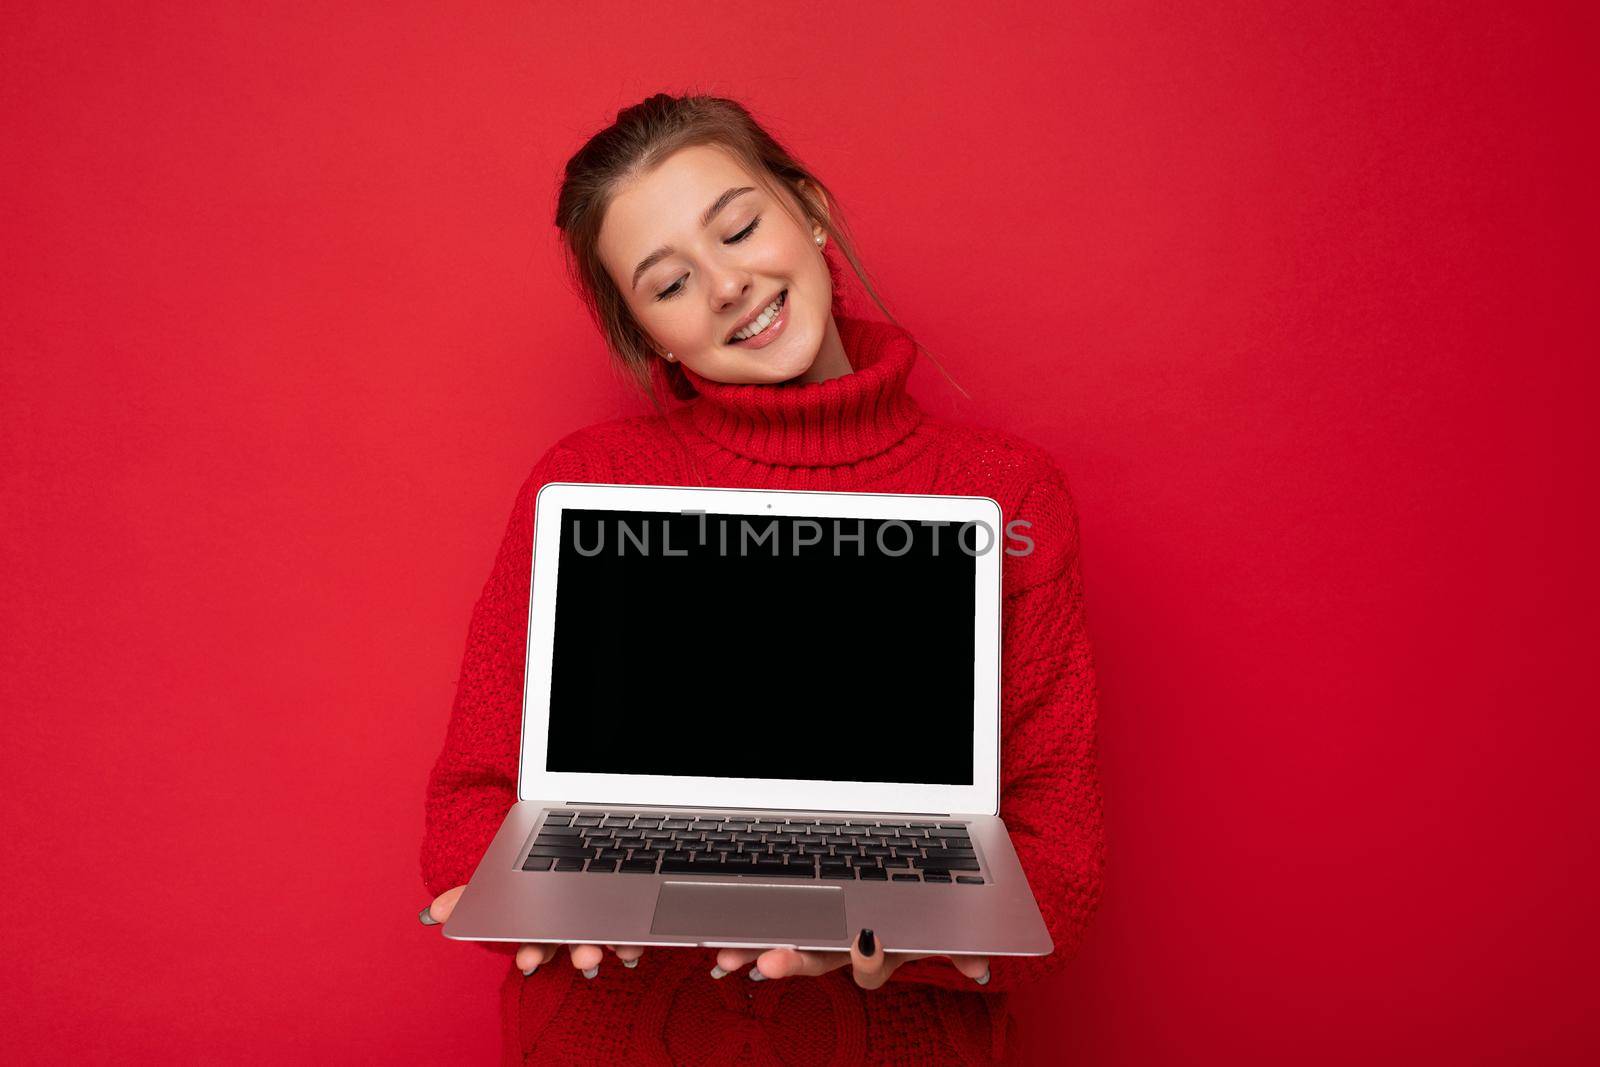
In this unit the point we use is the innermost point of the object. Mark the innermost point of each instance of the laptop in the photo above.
(758, 718)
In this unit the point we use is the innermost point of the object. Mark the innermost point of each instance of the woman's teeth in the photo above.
(763, 320)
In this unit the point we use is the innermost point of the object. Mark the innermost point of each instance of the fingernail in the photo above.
(982, 979)
(530, 970)
(869, 944)
(630, 963)
(592, 971)
(426, 917)
(756, 975)
(717, 972)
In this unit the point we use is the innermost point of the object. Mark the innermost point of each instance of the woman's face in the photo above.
(692, 280)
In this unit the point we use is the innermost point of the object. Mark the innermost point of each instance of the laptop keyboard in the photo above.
(656, 842)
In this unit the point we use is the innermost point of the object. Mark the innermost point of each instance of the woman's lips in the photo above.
(770, 334)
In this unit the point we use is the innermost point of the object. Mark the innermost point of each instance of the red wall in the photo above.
(1291, 295)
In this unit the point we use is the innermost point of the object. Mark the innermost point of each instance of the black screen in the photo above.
(764, 647)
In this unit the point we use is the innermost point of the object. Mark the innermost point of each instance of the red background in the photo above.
(1290, 294)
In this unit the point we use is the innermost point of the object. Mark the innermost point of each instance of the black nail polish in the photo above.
(869, 944)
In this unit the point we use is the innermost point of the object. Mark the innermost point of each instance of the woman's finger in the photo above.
(628, 954)
(530, 956)
(586, 958)
(974, 967)
(441, 907)
(869, 962)
(731, 959)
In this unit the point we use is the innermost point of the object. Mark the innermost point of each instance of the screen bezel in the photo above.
(533, 781)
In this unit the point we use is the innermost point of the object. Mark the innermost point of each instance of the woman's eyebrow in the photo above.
(727, 197)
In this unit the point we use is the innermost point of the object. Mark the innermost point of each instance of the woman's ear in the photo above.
(815, 199)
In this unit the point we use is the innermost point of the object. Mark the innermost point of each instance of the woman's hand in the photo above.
(872, 966)
(584, 957)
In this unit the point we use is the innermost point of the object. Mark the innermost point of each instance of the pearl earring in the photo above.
(820, 239)
(669, 357)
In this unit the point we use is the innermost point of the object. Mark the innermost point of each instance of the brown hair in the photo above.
(641, 138)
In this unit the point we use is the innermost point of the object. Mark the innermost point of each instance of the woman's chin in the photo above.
(788, 357)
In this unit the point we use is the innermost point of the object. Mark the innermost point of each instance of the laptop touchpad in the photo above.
(753, 912)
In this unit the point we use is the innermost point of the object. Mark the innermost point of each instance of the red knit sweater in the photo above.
(858, 432)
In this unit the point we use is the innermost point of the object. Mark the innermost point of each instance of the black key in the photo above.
(616, 820)
(608, 866)
(612, 854)
(678, 865)
(559, 840)
(568, 812)
(896, 861)
(923, 826)
(737, 824)
(946, 865)
(558, 818)
(953, 826)
(686, 835)
(969, 879)
(719, 836)
(537, 863)
(877, 850)
(935, 876)
(779, 870)
(833, 861)
(874, 874)
(838, 872)
(561, 852)
(839, 839)
(569, 865)
(906, 878)
(647, 820)
(658, 835)
(674, 824)
(596, 814)
(586, 820)
(599, 832)
(562, 831)
(892, 825)
(639, 866)
(764, 827)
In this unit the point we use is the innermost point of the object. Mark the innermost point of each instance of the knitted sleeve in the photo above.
(474, 781)
(1049, 782)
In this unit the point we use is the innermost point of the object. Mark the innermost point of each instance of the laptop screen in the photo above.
(825, 648)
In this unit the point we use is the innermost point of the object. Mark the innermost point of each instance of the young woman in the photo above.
(700, 247)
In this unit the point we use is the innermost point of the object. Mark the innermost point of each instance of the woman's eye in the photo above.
(676, 287)
(746, 232)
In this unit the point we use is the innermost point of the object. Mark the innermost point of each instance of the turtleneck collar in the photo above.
(839, 421)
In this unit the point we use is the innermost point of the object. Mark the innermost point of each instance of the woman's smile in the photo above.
(776, 316)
